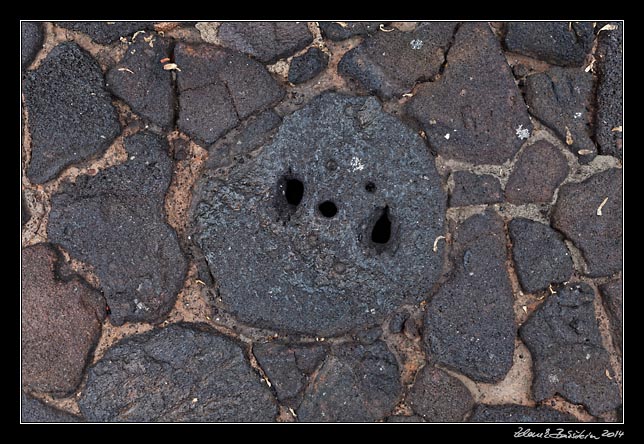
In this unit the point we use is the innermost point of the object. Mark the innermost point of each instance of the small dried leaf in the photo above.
(383, 29)
(617, 129)
(343, 24)
(584, 152)
(435, 248)
(599, 209)
(165, 60)
(171, 67)
(525, 309)
(608, 375)
(591, 65)
(569, 140)
(126, 70)
(608, 27)
(199, 281)
(292, 412)
(408, 95)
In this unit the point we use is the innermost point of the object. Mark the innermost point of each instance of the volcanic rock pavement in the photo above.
(333, 221)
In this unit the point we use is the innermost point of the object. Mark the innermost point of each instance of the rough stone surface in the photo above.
(401, 418)
(336, 32)
(469, 324)
(288, 367)
(357, 383)
(439, 397)
(115, 222)
(567, 351)
(34, 410)
(610, 86)
(107, 32)
(540, 169)
(266, 41)
(390, 63)
(559, 43)
(474, 112)
(218, 88)
(61, 323)
(307, 66)
(140, 80)
(474, 189)
(612, 295)
(518, 413)
(31, 38)
(561, 99)
(70, 115)
(25, 215)
(300, 270)
(540, 255)
(181, 373)
(598, 237)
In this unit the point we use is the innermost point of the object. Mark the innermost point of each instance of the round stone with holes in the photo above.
(326, 224)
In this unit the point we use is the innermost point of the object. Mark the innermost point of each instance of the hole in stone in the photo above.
(328, 209)
(294, 191)
(381, 232)
(370, 187)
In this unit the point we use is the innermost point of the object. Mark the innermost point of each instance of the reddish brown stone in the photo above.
(61, 323)
(539, 170)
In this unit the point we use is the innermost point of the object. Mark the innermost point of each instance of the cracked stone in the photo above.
(612, 294)
(181, 373)
(469, 324)
(474, 112)
(307, 66)
(336, 215)
(34, 410)
(518, 413)
(336, 32)
(390, 63)
(558, 43)
(288, 367)
(140, 80)
(61, 323)
(610, 87)
(71, 117)
(599, 237)
(439, 397)
(561, 99)
(540, 255)
(356, 383)
(218, 88)
(115, 222)
(107, 32)
(31, 40)
(567, 351)
(266, 41)
(540, 169)
(474, 189)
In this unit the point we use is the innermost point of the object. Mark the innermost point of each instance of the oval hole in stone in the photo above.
(381, 232)
(294, 191)
(328, 209)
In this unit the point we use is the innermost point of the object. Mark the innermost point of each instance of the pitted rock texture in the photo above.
(518, 413)
(337, 31)
(390, 63)
(115, 222)
(70, 115)
(266, 41)
(107, 32)
(474, 112)
(329, 226)
(31, 39)
(140, 80)
(181, 373)
(540, 169)
(474, 189)
(61, 323)
(469, 323)
(34, 410)
(610, 90)
(217, 88)
(599, 237)
(307, 66)
(613, 298)
(356, 383)
(288, 367)
(561, 99)
(559, 43)
(439, 397)
(540, 255)
(567, 351)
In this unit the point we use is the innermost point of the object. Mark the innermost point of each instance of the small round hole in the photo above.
(328, 209)
(370, 187)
